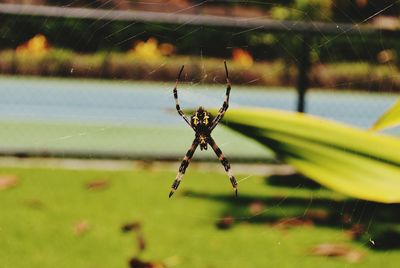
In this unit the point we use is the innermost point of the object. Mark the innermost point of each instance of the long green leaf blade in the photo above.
(390, 118)
(355, 162)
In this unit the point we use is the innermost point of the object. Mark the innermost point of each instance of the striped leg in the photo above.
(178, 108)
(225, 106)
(184, 165)
(224, 162)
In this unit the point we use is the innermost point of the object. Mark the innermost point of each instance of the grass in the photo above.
(38, 216)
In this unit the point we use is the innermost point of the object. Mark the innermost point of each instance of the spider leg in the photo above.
(178, 108)
(225, 106)
(224, 162)
(183, 166)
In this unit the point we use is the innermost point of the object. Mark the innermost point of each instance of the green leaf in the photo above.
(390, 118)
(349, 160)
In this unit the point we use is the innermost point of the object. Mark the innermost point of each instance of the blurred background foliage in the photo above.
(92, 36)
(97, 48)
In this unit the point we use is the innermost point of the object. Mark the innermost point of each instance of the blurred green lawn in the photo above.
(37, 219)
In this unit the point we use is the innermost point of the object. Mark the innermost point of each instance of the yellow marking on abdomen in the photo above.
(202, 139)
(195, 119)
(206, 118)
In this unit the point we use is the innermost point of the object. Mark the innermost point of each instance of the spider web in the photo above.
(363, 113)
(150, 106)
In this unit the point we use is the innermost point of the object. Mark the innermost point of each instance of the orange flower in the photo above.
(151, 50)
(36, 45)
(242, 57)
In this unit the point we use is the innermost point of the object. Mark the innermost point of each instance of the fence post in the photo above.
(303, 67)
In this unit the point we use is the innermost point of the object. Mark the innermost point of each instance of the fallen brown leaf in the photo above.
(334, 250)
(256, 208)
(81, 227)
(225, 223)
(135, 226)
(8, 181)
(346, 218)
(318, 215)
(287, 223)
(130, 226)
(99, 184)
(356, 231)
(137, 263)
(141, 242)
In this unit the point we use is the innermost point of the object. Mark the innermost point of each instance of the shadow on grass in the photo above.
(375, 225)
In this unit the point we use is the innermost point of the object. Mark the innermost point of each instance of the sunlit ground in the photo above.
(54, 217)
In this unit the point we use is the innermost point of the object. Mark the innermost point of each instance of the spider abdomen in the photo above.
(203, 141)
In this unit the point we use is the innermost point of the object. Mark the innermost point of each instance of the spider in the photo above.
(203, 124)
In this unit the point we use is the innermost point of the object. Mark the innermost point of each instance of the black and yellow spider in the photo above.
(203, 124)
